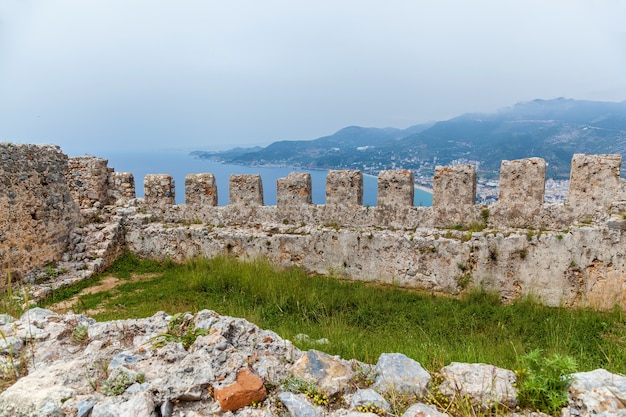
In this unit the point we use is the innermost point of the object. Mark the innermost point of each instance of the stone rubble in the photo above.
(80, 367)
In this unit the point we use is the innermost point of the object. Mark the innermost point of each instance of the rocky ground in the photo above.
(211, 365)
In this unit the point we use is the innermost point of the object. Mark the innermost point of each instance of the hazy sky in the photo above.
(202, 74)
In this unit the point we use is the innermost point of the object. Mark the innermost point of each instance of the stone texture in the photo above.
(294, 190)
(200, 190)
(245, 190)
(88, 180)
(248, 388)
(597, 392)
(368, 398)
(37, 211)
(522, 191)
(121, 187)
(594, 183)
(329, 373)
(395, 188)
(400, 374)
(344, 188)
(454, 195)
(158, 190)
(486, 384)
(299, 406)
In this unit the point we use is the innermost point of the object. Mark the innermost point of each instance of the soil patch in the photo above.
(106, 283)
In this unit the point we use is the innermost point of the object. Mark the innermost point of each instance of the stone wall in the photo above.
(37, 211)
(565, 254)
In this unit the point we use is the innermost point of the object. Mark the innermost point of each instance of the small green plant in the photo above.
(463, 280)
(559, 236)
(308, 388)
(118, 383)
(80, 335)
(484, 214)
(530, 233)
(364, 376)
(181, 329)
(542, 381)
(523, 253)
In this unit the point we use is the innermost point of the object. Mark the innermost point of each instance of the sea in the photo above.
(179, 163)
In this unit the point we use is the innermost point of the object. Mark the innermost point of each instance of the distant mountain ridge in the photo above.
(550, 129)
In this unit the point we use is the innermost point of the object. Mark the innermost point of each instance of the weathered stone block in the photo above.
(344, 187)
(594, 183)
(396, 188)
(246, 190)
(88, 180)
(454, 194)
(158, 189)
(522, 191)
(122, 186)
(37, 211)
(200, 190)
(295, 189)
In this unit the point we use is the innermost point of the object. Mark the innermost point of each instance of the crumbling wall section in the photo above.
(37, 211)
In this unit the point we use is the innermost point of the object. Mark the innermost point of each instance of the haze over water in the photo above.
(179, 163)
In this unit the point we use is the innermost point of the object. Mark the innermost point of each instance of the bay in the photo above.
(179, 163)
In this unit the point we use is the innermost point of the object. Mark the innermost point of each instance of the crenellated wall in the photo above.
(568, 253)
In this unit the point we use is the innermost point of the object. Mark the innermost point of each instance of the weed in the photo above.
(484, 214)
(530, 233)
(542, 381)
(181, 329)
(559, 236)
(464, 280)
(308, 388)
(364, 375)
(80, 335)
(523, 253)
(117, 384)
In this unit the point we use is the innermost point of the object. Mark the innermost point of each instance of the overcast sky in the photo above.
(202, 74)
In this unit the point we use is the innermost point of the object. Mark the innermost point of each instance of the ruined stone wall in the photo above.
(37, 211)
(566, 253)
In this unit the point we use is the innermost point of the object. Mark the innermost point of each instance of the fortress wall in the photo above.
(520, 205)
(594, 183)
(159, 190)
(522, 192)
(200, 190)
(37, 211)
(577, 261)
(584, 267)
(454, 195)
(88, 180)
(121, 187)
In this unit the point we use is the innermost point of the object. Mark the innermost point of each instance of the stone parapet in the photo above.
(37, 211)
(396, 188)
(454, 195)
(245, 190)
(200, 190)
(594, 183)
(344, 188)
(88, 180)
(522, 192)
(121, 187)
(294, 190)
(159, 190)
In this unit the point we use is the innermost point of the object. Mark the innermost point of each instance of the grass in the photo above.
(361, 320)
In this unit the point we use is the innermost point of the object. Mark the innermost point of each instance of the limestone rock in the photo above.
(487, 384)
(248, 388)
(400, 374)
(331, 374)
(597, 392)
(368, 398)
(298, 406)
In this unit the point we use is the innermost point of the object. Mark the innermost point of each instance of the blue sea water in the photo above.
(179, 163)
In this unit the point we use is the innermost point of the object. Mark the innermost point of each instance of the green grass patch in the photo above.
(363, 320)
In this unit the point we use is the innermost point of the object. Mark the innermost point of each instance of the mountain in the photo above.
(550, 129)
